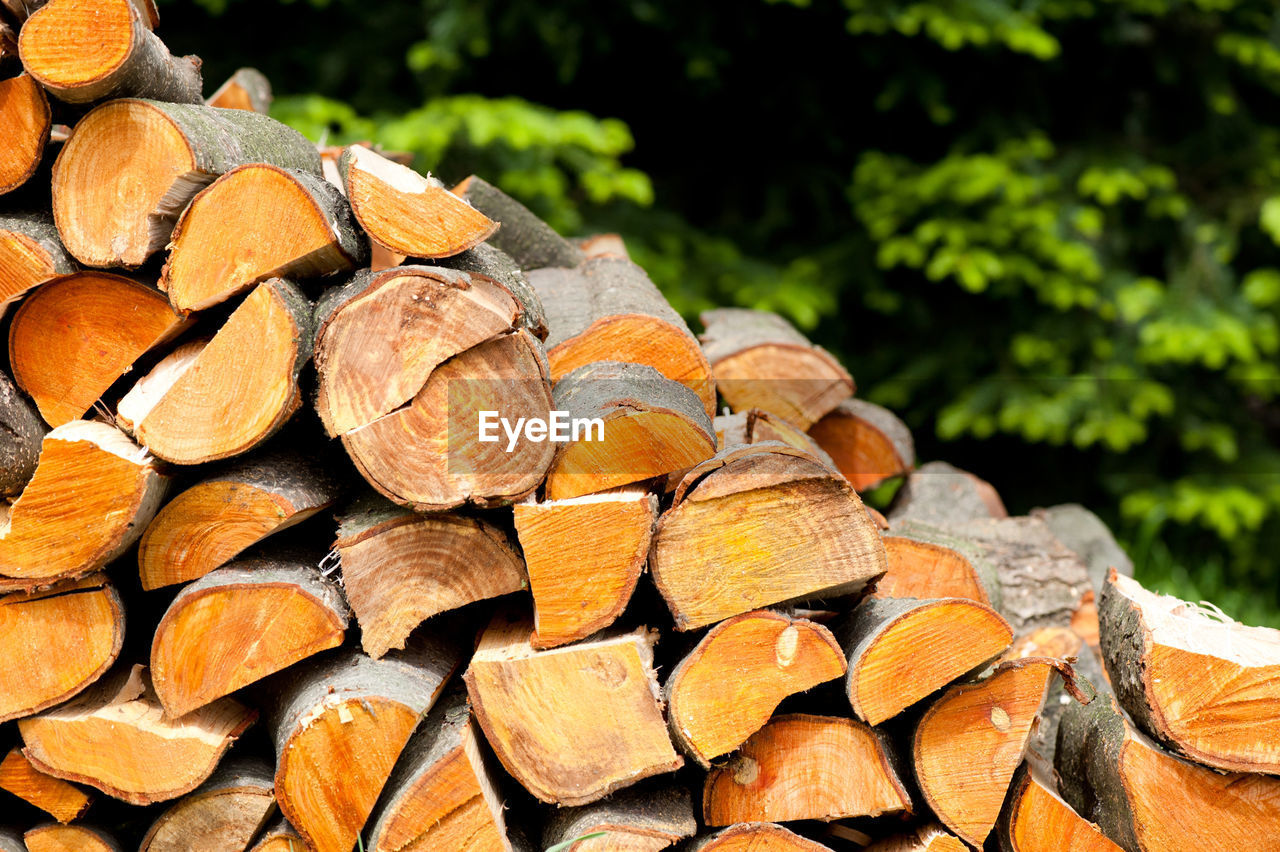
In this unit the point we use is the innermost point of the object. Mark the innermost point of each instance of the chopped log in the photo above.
(801, 766)
(22, 432)
(442, 794)
(927, 562)
(247, 89)
(939, 493)
(486, 261)
(233, 393)
(239, 624)
(115, 737)
(760, 361)
(339, 726)
(631, 821)
(1086, 534)
(381, 336)
(1035, 819)
(1156, 647)
(530, 241)
(30, 254)
(771, 656)
(927, 838)
(429, 455)
(210, 523)
(90, 50)
(56, 643)
(117, 490)
(970, 741)
(573, 724)
(75, 335)
(603, 245)
(25, 118)
(868, 442)
(407, 213)
(254, 223)
(222, 815)
(132, 166)
(757, 526)
(754, 426)
(400, 568)
(635, 425)
(280, 837)
(607, 309)
(69, 838)
(1147, 800)
(1041, 582)
(901, 650)
(62, 801)
(756, 837)
(584, 557)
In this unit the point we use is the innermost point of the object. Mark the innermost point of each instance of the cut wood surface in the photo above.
(939, 493)
(257, 222)
(115, 737)
(340, 724)
(233, 393)
(902, 650)
(754, 426)
(584, 557)
(400, 568)
(760, 361)
(970, 741)
(927, 562)
(531, 242)
(30, 254)
(132, 166)
(646, 425)
(927, 838)
(442, 794)
(1155, 645)
(247, 89)
(756, 837)
(222, 815)
(22, 432)
(117, 490)
(492, 263)
(62, 801)
(25, 119)
(69, 838)
(407, 213)
(1036, 819)
(87, 50)
(771, 655)
(212, 521)
(56, 643)
(868, 442)
(757, 526)
(571, 724)
(1086, 534)
(428, 455)
(239, 624)
(1147, 800)
(635, 820)
(279, 836)
(608, 309)
(75, 335)
(805, 767)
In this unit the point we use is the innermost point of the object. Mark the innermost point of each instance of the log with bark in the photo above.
(279, 836)
(532, 243)
(69, 838)
(60, 800)
(11, 840)
(756, 526)
(30, 254)
(645, 819)
(607, 309)
(22, 432)
(74, 336)
(1036, 819)
(756, 837)
(928, 562)
(247, 89)
(939, 493)
(131, 167)
(25, 119)
(754, 426)
(760, 361)
(84, 51)
(867, 442)
(222, 815)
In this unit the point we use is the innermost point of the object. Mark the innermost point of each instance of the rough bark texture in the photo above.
(939, 493)
(733, 330)
(491, 262)
(11, 840)
(1086, 534)
(247, 89)
(30, 254)
(21, 432)
(222, 815)
(530, 241)
(986, 571)
(657, 814)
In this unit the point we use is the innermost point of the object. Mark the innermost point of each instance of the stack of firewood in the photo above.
(294, 416)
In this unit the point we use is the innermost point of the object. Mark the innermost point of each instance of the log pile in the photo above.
(244, 411)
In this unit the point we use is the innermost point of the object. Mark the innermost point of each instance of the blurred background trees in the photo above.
(1046, 232)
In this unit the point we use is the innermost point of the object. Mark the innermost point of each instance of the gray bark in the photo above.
(1087, 760)
(233, 775)
(39, 227)
(886, 422)
(1086, 534)
(733, 330)
(493, 263)
(939, 493)
(986, 570)
(246, 573)
(531, 242)
(21, 432)
(664, 811)
(279, 829)
(11, 840)
(598, 389)
(255, 85)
